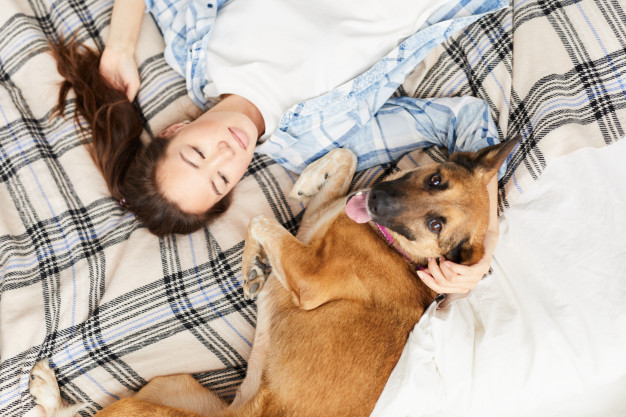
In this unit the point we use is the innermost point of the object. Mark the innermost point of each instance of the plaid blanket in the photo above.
(83, 283)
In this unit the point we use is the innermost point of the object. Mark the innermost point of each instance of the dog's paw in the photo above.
(45, 392)
(254, 280)
(44, 387)
(316, 174)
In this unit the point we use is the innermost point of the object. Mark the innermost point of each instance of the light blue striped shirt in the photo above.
(359, 114)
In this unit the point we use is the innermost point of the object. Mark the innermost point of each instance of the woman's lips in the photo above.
(240, 137)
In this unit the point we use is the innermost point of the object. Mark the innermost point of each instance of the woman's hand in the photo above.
(120, 69)
(117, 63)
(447, 277)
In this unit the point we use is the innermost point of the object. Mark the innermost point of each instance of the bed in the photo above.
(84, 284)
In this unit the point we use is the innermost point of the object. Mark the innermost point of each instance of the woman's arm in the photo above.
(117, 63)
(448, 277)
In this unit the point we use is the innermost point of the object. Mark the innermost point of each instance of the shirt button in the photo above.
(209, 5)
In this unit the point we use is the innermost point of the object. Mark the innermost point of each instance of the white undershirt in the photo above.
(277, 53)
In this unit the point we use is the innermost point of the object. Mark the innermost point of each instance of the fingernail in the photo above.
(420, 274)
(448, 264)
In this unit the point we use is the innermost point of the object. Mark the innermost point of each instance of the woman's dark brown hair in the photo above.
(129, 168)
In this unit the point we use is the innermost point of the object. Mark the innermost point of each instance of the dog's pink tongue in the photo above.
(355, 208)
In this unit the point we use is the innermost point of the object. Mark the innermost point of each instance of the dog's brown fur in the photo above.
(336, 311)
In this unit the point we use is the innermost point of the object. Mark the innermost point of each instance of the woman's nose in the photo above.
(224, 151)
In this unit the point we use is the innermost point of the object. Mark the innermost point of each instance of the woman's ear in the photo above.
(170, 131)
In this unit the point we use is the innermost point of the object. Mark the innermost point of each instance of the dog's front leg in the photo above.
(326, 179)
(294, 263)
(260, 231)
(263, 241)
(256, 361)
(254, 265)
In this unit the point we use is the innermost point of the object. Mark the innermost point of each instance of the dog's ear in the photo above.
(486, 161)
(464, 252)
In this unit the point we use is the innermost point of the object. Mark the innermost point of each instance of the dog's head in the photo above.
(440, 209)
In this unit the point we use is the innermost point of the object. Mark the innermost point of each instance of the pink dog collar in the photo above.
(390, 241)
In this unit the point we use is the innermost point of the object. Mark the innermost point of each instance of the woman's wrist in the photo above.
(490, 242)
(125, 26)
(120, 47)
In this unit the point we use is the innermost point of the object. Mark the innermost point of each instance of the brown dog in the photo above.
(341, 298)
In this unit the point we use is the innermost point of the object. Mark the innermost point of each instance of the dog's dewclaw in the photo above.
(259, 263)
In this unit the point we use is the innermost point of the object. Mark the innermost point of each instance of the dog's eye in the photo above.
(435, 226)
(435, 180)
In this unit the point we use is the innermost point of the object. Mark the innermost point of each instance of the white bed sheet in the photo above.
(545, 335)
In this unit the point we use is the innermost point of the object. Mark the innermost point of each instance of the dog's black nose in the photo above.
(382, 201)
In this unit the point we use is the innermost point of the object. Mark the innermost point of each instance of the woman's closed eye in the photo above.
(199, 152)
(192, 158)
(223, 177)
(221, 184)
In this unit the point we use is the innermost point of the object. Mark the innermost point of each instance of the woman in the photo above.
(182, 178)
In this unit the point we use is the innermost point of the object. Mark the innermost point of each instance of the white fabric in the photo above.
(277, 53)
(545, 335)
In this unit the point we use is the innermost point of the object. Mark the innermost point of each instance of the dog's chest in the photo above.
(315, 224)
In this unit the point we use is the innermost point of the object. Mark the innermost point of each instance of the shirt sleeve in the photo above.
(401, 125)
(404, 124)
(186, 26)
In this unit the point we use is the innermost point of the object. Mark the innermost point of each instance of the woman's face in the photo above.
(206, 158)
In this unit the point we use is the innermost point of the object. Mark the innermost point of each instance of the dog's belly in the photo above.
(334, 360)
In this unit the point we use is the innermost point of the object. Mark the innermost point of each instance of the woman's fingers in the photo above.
(430, 282)
(120, 69)
(442, 279)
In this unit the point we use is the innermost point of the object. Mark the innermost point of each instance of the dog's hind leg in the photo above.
(326, 179)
